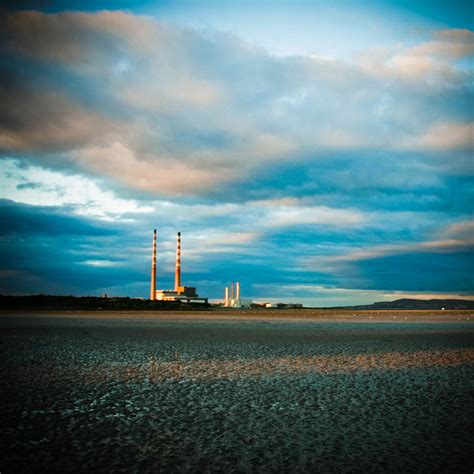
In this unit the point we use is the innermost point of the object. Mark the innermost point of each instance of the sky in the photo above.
(318, 152)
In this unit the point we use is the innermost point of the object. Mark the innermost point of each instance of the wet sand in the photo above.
(232, 391)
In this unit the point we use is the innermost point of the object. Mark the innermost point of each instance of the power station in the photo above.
(186, 294)
(232, 297)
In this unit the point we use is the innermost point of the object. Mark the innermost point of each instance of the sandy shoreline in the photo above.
(273, 315)
(218, 392)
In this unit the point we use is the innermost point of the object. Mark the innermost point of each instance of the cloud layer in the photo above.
(135, 99)
(280, 170)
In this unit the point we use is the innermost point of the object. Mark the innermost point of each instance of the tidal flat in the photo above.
(237, 391)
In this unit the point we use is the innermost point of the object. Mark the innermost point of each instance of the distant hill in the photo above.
(48, 302)
(414, 304)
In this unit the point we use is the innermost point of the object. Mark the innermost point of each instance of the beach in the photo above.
(237, 391)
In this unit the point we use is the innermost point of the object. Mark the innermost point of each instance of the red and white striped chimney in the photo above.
(177, 278)
(153, 269)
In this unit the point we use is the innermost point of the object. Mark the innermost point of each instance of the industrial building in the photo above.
(283, 305)
(186, 294)
(232, 297)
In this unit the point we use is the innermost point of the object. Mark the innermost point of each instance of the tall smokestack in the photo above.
(153, 269)
(232, 291)
(226, 301)
(177, 278)
(237, 290)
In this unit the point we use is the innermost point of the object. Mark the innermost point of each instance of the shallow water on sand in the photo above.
(154, 393)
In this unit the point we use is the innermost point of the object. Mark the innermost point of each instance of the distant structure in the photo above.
(232, 298)
(282, 305)
(186, 294)
(153, 269)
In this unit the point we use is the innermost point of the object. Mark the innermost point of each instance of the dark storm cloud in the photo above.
(448, 272)
(51, 250)
(55, 266)
(33, 220)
